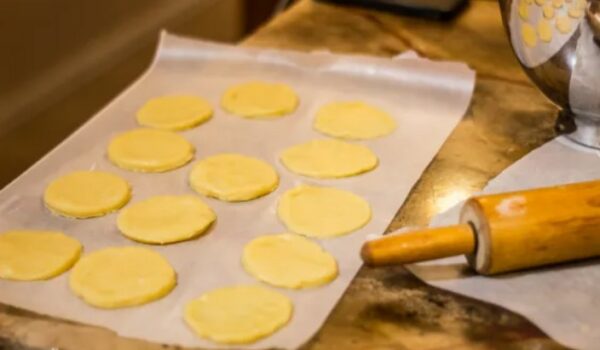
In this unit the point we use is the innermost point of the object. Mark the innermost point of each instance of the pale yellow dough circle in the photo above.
(239, 314)
(353, 120)
(149, 150)
(529, 35)
(289, 260)
(174, 112)
(545, 30)
(563, 24)
(328, 159)
(524, 10)
(575, 12)
(548, 11)
(85, 194)
(233, 177)
(122, 276)
(28, 255)
(165, 219)
(257, 99)
(322, 211)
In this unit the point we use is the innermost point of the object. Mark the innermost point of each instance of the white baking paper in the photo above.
(426, 98)
(563, 301)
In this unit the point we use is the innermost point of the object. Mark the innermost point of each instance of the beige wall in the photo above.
(49, 48)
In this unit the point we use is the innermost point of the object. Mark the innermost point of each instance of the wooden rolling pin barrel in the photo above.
(506, 232)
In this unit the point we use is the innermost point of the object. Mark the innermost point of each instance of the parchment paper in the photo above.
(427, 100)
(563, 301)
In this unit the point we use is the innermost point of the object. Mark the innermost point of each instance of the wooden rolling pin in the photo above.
(506, 232)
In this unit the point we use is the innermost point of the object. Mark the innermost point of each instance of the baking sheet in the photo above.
(563, 301)
(427, 99)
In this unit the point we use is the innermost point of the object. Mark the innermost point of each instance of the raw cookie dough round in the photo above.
(122, 276)
(353, 120)
(322, 211)
(239, 314)
(328, 159)
(233, 177)
(174, 112)
(28, 255)
(563, 24)
(289, 260)
(529, 35)
(165, 219)
(149, 150)
(260, 100)
(575, 11)
(85, 194)
(524, 10)
(545, 30)
(548, 11)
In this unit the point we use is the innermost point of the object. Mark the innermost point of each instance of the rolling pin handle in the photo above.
(422, 245)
